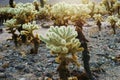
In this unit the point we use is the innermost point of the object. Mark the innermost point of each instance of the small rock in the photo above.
(11, 69)
(27, 70)
(5, 75)
(22, 79)
(5, 65)
(1, 30)
(2, 69)
(49, 75)
(38, 74)
(2, 75)
(30, 63)
(32, 60)
(20, 67)
(1, 57)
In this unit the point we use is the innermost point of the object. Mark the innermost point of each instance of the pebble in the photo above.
(38, 74)
(20, 67)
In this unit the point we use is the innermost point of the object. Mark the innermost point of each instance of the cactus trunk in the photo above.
(63, 70)
(113, 27)
(86, 59)
(99, 25)
(14, 37)
(85, 53)
(11, 3)
(36, 45)
(42, 3)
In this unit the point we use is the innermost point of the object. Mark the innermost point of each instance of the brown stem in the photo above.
(36, 43)
(118, 10)
(36, 6)
(86, 59)
(11, 3)
(14, 37)
(63, 70)
(114, 28)
(99, 25)
(42, 3)
(92, 11)
(85, 53)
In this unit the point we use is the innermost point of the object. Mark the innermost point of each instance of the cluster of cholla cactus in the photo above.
(22, 24)
(63, 43)
(109, 5)
(63, 13)
(25, 12)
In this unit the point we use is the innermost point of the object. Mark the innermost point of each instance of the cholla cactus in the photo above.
(27, 31)
(85, 1)
(5, 14)
(117, 7)
(60, 12)
(98, 18)
(25, 13)
(100, 9)
(63, 43)
(30, 27)
(36, 4)
(11, 27)
(112, 20)
(81, 13)
(72, 78)
(12, 23)
(44, 13)
(109, 4)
